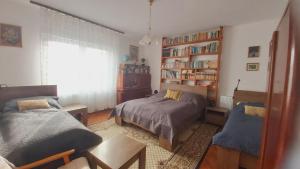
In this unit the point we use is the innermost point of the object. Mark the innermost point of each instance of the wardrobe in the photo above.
(283, 91)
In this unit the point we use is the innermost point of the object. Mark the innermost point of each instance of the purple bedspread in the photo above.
(162, 116)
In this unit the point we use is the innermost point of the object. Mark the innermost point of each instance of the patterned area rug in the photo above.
(193, 144)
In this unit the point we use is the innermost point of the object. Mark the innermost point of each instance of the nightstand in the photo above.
(78, 111)
(216, 115)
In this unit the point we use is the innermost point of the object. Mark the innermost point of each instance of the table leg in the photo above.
(92, 161)
(142, 159)
(84, 118)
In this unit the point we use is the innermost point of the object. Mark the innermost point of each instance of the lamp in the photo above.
(146, 40)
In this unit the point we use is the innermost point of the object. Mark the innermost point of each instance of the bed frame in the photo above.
(163, 142)
(9, 93)
(233, 159)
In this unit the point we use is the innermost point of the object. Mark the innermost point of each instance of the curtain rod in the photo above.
(75, 16)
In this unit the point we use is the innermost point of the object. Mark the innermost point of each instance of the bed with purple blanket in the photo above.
(163, 117)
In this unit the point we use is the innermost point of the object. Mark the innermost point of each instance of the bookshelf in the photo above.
(193, 59)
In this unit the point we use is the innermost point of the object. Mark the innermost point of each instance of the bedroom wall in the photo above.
(21, 66)
(237, 39)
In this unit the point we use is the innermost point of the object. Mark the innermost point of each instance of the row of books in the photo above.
(176, 65)
(201, 76)
(188, 74)
(201, 36)
(200, 64)
(203, 64)
(210, 48)
(206, 76)
(169, 74)
(175, 52)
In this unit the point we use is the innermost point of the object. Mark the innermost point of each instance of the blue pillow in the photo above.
(12, 106)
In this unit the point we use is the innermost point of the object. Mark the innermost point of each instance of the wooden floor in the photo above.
(228, 161)
(209, 161)
(98, 117)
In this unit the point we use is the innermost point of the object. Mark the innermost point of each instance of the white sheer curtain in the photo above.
(80, 58)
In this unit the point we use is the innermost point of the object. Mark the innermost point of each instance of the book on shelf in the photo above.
(206, 49)
(175, 52)
(170, 74)
(206, 76)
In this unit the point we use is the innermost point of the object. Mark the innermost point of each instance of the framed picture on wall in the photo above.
(10, 35)
(133, 53)
(253, 52)
(252, 66)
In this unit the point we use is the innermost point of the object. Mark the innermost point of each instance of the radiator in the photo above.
(226, 102)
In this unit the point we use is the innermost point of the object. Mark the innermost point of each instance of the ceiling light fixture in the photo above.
(146, 40)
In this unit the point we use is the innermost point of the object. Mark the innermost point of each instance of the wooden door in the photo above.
(283, 95)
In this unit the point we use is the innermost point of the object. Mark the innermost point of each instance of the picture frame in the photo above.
(10, 35)
(252, 67)
(253, 51)
(133, 53)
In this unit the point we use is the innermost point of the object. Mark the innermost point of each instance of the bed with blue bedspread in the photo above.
(241, 132)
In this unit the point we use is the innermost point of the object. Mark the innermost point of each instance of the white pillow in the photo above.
(4, 164)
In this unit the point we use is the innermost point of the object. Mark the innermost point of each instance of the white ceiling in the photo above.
(170, 16)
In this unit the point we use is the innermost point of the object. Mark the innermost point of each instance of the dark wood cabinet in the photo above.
(134, 81)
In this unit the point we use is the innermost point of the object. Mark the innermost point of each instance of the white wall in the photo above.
(125, 42)
(152, 54)
(21, 66)
(237, 39)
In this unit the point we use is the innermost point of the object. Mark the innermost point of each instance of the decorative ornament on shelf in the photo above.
(125, 58)
(143, 60)
(147, 39)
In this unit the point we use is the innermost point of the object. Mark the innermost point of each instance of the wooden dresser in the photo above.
(134, 81)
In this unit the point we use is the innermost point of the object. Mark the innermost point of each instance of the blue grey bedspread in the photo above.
(241, 132)
(32, 135)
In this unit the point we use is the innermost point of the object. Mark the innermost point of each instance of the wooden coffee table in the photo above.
(119, 152)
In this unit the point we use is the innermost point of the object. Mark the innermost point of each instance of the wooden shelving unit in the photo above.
(190, 67)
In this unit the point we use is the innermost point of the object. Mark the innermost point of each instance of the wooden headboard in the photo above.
(249, 96)
(201, 90)
(9, 93)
